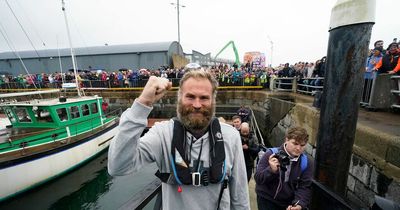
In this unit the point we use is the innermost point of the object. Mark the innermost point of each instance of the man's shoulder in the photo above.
(227, 129)
(163, 124)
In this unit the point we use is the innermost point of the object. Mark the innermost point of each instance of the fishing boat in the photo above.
(50, 137)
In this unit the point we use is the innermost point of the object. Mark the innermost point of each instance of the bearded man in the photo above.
(197, 156)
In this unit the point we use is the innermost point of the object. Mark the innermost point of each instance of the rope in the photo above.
(30, 23)
(11, 46)
(26, 34)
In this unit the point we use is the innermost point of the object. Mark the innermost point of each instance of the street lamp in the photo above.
(177, 5)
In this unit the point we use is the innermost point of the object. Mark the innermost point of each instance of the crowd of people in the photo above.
(226, 76)
(380, 60)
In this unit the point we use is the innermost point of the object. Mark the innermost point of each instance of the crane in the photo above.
(234, 50)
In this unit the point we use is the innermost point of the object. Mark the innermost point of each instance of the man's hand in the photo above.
(391, 72)
(296, 207)
(273, 163)
(245, 147)
(155, 89)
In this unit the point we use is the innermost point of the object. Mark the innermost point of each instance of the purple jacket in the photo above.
(297, 189)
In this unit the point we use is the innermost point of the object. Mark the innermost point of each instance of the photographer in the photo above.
(283, 176)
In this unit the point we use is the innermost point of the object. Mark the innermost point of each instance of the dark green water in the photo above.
(89, 187)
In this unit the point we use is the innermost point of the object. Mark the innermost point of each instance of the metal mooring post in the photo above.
(350, 32)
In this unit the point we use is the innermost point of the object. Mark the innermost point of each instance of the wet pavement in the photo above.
(386, 122)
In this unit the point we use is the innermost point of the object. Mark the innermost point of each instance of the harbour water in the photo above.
(88, 187)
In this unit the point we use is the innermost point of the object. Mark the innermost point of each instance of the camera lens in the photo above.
(283, 158)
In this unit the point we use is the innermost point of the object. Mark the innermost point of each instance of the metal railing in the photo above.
(381, 92)
(283, 84)
(126, 83)
(297, 85)
(310, 85)
(396, 91)
(256, 129)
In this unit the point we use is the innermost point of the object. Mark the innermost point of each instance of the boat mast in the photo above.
(59, 59)
(72, 51)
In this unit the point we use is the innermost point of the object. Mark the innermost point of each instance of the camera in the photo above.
(283, 159)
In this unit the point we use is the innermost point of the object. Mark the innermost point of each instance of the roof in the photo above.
(9, 95)
(48, 102)
(96, 50)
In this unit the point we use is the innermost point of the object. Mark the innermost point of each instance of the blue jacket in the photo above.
(297, 188)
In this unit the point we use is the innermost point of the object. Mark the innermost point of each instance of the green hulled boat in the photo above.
(49, 137)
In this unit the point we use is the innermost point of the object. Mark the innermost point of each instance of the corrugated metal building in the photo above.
(112, 57)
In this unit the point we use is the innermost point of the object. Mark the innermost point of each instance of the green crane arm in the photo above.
(234, 50)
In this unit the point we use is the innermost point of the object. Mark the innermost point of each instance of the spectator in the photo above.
(377, 45)
(244, 113)
(281, 181)
(390, 61)
(104, 106)
(369, 74)
(250, 148)
(237, 122)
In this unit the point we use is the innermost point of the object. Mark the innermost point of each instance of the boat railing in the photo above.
(77, 127)
(114, 113)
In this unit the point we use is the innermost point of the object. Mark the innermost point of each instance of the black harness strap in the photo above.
(217, 152)
(216, 172)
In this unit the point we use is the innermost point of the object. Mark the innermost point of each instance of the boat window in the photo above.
(22, 115)
(93, 106)
(74, 110)
(43, 115)
(85, 109)
(62, 114)
(10, 115)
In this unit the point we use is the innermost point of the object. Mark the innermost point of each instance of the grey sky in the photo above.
(298, 29)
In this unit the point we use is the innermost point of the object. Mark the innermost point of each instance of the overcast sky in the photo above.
(297, 29)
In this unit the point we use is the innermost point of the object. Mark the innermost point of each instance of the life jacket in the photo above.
(303, 158)
(263, 78)
(181, 173)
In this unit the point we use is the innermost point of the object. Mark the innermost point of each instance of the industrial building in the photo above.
(108, 57)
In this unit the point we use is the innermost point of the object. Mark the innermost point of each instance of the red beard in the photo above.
(195, 119)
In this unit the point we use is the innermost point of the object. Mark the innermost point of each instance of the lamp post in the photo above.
(272, 49)
(177, 5)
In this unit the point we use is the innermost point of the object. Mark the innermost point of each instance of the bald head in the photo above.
(245, 129)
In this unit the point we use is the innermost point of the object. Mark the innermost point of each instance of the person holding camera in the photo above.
(284, 175)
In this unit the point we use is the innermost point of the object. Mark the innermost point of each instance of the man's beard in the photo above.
(195, 123)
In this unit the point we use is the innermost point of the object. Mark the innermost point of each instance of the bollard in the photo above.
(350, 32)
